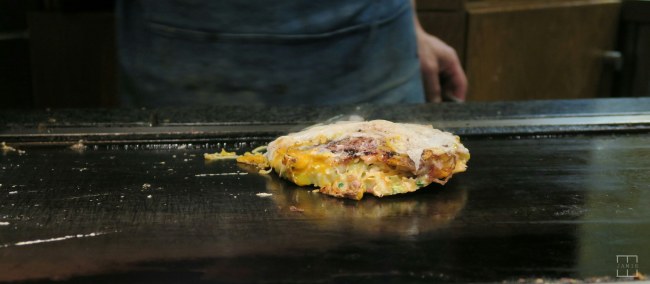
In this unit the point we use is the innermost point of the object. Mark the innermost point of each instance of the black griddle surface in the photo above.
(549, 207)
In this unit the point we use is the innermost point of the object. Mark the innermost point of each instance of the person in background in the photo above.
(283, 52)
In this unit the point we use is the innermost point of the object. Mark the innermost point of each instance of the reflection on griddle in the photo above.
(426, 210)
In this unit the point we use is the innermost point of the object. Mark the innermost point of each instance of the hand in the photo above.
(442, 74)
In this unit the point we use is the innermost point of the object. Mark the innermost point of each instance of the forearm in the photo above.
(438, 61)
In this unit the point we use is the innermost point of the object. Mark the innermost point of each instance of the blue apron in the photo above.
(262, 52)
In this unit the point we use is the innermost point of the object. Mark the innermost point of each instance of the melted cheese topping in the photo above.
(403, 138)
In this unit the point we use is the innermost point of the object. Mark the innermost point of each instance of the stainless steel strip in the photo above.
(164, 132)
(551, 121)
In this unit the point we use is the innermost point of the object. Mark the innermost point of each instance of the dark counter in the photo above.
(560, 204)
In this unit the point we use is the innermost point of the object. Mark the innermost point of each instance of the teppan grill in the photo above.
(555, 191)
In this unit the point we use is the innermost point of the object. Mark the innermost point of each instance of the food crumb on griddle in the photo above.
(79, 146)
(6, 149)
(264, 194)
(223, 155)
(296, 209)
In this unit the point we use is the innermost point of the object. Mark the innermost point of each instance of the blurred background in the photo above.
(62, 53)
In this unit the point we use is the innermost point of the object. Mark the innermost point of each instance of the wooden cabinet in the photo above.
(534, 49)
(71, 47)
(15, 86)
(73, 59)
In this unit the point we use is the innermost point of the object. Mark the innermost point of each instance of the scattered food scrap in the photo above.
(79, 146)
(223, 155)
(6, 149)
(296, 209)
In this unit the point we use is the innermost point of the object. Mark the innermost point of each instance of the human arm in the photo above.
(442, 73)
